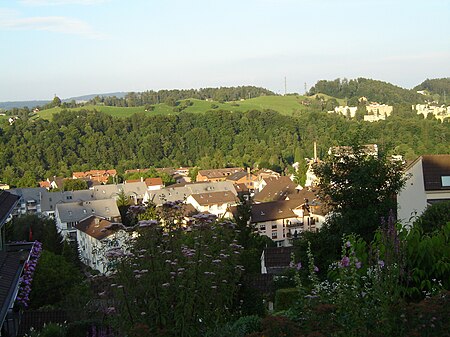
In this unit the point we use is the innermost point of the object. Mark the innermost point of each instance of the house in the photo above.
(177, 193)
(55, 183)
(152, 183)
(428, 182)
(4, 186)
(136, 191)
(275, 260)
(284, 220)
(246, 178)
(274, 188)
(29, 200)
(215, 175)
(277, 220)
(338, 151)
(215, 203)
(95, 236)
(100, 176)
(13, 259)
(68, 215)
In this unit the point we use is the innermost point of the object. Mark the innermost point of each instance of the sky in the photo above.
(70, 48)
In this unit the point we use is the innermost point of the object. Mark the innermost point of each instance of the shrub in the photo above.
(285, 298)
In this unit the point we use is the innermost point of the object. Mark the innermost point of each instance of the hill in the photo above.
(286, 105)
(34, 103)
(373, 90)
(437, 86)
(22, 104)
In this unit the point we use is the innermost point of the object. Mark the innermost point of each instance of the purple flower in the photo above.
(381, 263)
(358, 264)
(348, 244)
(316, 269)
(299, 266)
(345, 262)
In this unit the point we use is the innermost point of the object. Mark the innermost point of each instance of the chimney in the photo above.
(315, 151)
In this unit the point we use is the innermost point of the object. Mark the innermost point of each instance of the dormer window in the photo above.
(445, 180)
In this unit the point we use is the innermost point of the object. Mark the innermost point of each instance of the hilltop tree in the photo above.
(56, 101)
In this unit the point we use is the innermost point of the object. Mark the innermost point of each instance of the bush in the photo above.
(285, 298)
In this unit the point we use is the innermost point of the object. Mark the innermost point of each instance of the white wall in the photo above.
(412, 199)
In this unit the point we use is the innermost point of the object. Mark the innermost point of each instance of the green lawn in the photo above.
(286, 105)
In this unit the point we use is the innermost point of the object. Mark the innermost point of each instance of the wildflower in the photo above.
(316, 269)
(358, 264)
(345, 262)
(165, 285)
(348, 244)
(381, 263)
(143, 313)
(299, 266)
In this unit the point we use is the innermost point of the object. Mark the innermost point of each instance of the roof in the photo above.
(434, 167)
(220, 173)
(96, 227)
(171, 193)
(214, 198)
(153, 181)
(30, 193)
(277, 256)
(78, 211)
(7, 203)
(274, 210)
(112, 190)
(277, 188)
(237, 176)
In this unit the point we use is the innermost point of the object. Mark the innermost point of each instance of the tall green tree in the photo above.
(359, 188)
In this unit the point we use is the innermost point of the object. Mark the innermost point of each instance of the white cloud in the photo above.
(57, 24)
(60, 2)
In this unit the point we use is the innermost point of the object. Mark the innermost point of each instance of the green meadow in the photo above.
(286, 105)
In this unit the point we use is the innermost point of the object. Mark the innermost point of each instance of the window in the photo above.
(274, 235)
(262, 227)
(445, 180)
(274, 226)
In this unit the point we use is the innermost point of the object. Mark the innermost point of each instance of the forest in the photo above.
(170, 97)
(373, 90)
(32, 150)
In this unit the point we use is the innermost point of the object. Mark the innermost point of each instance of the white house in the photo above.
(428, 182)
(215, 203)
(96, 237)
(68, 215)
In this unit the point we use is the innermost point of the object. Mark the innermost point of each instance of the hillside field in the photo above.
(286, 105)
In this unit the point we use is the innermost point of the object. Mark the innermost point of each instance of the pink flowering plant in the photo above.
(176, 280)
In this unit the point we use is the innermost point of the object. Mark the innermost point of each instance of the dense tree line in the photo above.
(170, 97)
(373, 90)
(78, 141)
(439, 88)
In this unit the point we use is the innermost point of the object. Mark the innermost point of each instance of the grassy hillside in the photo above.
(286, 105)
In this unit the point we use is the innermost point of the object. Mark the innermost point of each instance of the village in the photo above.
(279, 208)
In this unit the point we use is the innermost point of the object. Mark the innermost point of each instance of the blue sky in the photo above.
(76, 47)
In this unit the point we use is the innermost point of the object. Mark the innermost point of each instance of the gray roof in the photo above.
(7, 202)
(181, 193)
(51, 199)
(32, 193)
(137, 189)
(78, 211)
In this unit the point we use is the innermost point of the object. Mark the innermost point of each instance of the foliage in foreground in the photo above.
(174, 281)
